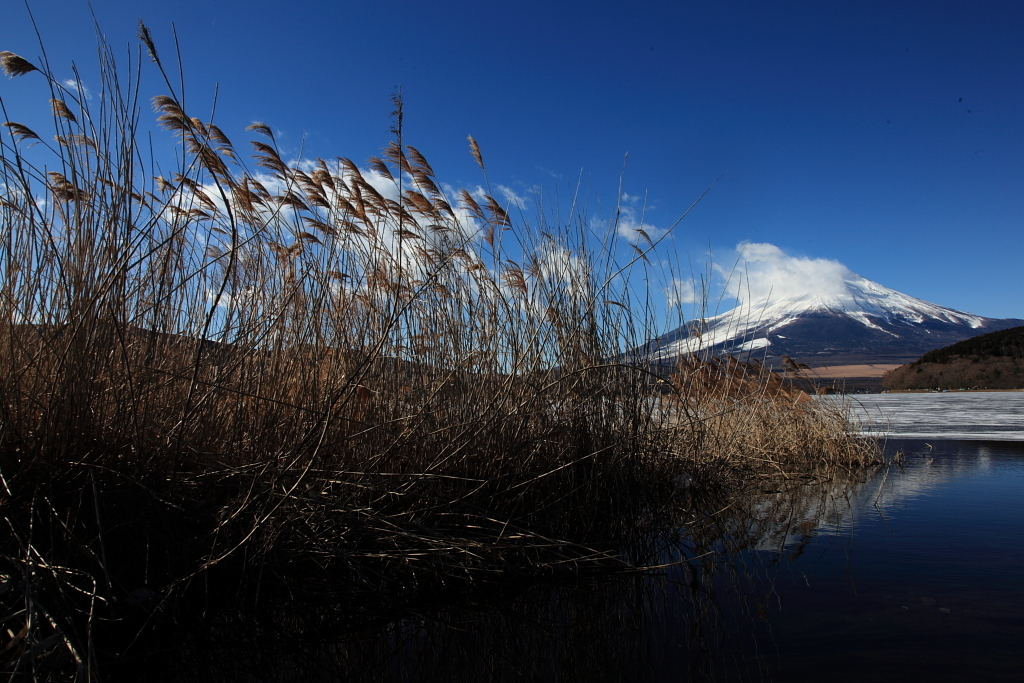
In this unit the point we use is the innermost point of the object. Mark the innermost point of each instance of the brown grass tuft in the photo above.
(61, 109)
(475, 150)
(20, 132)
(13, 65)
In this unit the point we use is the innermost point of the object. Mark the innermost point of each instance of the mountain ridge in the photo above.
(855, 321)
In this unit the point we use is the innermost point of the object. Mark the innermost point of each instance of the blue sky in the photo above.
(886, 135)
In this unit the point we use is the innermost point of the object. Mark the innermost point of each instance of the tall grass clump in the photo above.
(253, 379)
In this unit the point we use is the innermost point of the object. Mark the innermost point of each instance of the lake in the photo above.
(922, 580)
(914, 571)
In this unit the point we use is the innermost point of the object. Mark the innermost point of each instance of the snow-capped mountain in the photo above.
(856, 321)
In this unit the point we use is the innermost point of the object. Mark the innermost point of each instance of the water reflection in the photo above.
(922, 580)
(690, 618)
(911, 572)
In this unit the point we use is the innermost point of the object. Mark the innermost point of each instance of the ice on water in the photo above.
(969, 416)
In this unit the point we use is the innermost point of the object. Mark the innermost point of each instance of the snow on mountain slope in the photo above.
(853, 315)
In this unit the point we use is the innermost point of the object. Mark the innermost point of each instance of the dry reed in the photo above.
(309, 378)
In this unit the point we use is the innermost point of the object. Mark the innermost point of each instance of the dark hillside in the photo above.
(1002, 344)
(991, 361)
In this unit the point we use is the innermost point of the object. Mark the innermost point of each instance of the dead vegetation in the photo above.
(305, 378)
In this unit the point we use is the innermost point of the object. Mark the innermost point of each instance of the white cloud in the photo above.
(556, 176)
(479, 193)
(511, 198)
(305, 165)
(629, 227)
(558, 264)
(766, 271)
(681, 291)
(78, 87)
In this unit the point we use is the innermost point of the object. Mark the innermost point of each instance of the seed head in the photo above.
(13, 65)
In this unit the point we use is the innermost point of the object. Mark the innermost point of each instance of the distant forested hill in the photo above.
(991, 361)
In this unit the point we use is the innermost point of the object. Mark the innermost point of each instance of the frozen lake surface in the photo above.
(970, 416)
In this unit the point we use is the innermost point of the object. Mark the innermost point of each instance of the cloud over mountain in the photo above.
(817, 308)
(766, 273)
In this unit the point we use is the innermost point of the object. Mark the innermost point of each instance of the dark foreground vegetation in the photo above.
(238, 387)
(989, 361)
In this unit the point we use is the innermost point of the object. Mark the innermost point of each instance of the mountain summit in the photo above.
(849, 320)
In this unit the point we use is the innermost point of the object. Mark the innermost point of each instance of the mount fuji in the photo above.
(845, 319)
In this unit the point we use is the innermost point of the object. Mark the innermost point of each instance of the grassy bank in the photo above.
(261, 380)
(990, 361)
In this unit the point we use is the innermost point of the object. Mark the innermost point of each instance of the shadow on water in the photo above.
(910, 571)
(701, 613)
(913, 571)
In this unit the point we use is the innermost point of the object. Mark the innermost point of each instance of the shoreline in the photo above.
(951, 391)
